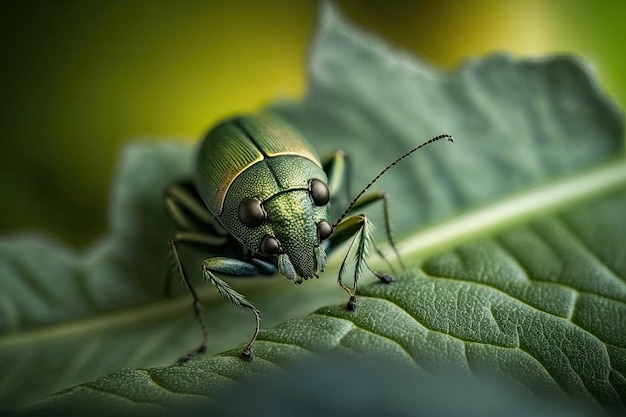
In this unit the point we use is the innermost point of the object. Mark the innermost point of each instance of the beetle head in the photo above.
(290, 225)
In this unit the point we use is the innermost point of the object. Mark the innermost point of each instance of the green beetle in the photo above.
(261, 197)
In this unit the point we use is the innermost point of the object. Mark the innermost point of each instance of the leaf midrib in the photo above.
(109, 319)
(520, 208)
(481, 222)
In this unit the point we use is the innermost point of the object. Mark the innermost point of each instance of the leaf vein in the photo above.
(465, 341)
(80, 277)
(397, 306)
(481, 284)
(279, 342)
(583, 245)
(531, 280)
(385, 337)
(230, 378)
(499, 240)
(159, 385)
(120, 396)
(27, 277)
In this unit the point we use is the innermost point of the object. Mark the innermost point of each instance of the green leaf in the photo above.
(514, 236)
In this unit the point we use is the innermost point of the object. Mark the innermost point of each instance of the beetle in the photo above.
(260, 196)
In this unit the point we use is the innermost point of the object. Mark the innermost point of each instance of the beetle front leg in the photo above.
(358, 228)
(372, 197)
(235, 267)
(337, 167)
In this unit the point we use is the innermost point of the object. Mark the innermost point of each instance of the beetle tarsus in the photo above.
(184, 359)
(188, 357)
(247, 354)
(351, 306)
(385, 278)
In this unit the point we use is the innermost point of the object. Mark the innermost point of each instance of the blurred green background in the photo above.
(80, 78)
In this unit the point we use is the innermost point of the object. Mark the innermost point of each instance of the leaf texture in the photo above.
(539, 300)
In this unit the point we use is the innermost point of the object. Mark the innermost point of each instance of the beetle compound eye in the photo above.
(324, 230)
(319, 192)
(270, 245)
(251, 212)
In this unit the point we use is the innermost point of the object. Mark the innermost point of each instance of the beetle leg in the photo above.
(188, 237)
(264, 267)
(338, 169)
(198, 238)
(196, 306)
(372, 197)
(182, 203)
(236, 267)
(358, 229)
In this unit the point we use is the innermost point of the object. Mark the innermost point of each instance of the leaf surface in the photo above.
(514, 236)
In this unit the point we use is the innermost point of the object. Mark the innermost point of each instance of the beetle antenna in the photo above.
(353, 202)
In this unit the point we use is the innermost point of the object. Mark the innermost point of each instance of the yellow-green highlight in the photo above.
(79, 79)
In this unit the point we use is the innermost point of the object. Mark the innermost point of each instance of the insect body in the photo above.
(261, 197)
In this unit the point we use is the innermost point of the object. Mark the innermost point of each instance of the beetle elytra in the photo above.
(260, 197)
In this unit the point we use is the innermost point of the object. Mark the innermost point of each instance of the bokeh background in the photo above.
(78, 79)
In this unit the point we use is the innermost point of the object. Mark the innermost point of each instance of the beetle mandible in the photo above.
(261, 197)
